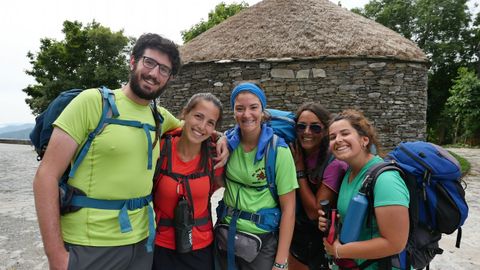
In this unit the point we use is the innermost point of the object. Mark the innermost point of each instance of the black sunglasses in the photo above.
(315, 128)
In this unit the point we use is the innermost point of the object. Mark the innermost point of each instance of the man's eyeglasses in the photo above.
(151, 64)
(315, 128)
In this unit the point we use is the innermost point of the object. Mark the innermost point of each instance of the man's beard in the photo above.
(137, 89)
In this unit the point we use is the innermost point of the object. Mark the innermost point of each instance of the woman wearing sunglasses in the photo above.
(319, 176)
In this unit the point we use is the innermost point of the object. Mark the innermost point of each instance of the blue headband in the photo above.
(252, 88)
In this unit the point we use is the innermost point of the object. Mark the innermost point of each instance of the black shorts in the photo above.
(168, 259)
(307, 247)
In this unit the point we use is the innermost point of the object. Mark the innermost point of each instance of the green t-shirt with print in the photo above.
(241, 168)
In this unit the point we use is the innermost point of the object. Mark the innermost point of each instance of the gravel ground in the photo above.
(21, 246)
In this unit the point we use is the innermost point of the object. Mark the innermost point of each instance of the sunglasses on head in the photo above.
(315, 128)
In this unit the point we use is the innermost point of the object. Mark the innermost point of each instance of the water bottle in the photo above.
(352, 225)
(183, 222)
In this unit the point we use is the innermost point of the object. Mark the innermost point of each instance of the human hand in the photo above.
(297, 154)
(322, 221)
(59, 261)
(330, 249)
(222, 153)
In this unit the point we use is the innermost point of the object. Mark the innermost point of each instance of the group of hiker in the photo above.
(140, 197)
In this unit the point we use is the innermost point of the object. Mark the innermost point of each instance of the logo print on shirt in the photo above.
(260, 175)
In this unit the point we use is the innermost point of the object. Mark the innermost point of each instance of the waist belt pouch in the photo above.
(183, 223)
(270, 219)
(66, 193)
(247, 245)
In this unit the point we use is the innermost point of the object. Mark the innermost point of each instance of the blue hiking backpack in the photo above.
(437, 200)
(73, 199)
(283, 124)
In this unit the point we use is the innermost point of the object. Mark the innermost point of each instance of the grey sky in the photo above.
(23, 23)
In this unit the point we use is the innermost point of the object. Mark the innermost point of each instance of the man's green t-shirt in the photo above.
(115, 168)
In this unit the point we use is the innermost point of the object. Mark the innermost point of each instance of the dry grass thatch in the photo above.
(298, 28)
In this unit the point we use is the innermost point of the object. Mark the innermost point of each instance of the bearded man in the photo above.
(112, 228)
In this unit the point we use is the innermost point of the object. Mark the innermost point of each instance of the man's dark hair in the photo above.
(156, 42)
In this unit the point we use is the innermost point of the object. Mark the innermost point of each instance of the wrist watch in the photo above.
(301, 174)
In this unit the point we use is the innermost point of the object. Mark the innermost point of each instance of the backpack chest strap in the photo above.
(137, 124)
(168, 222)
(181, 177)
(243, 185)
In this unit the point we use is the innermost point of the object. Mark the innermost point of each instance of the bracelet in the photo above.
(301, 174)
(280, 265)
(336, 252)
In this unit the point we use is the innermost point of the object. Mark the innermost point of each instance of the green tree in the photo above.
(463, 106)
(443, 30)
(397, 15)
(89, 56)
(216, 16)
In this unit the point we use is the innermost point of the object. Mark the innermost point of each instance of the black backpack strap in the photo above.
(326, 162)
(166, 153)
(371, 178)
(367, 188)
(163, 154)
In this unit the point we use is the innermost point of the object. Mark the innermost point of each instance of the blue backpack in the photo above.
(283, 124)
(437, 200)
(42, 131)
(73, 199)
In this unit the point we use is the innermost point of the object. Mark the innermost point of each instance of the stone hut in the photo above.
(310, 50)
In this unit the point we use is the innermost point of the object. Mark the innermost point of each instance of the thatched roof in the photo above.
(298, 28)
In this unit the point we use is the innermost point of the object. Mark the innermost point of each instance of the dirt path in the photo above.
(21, 246)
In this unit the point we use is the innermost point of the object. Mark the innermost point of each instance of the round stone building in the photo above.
(310, 50)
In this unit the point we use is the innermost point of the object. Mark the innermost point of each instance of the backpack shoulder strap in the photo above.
(270, 163)
(326, 162)
(157, 116)
(374, 172)
(108, 105)
(367, 188)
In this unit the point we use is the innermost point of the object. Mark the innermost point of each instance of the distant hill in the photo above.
(16, 131)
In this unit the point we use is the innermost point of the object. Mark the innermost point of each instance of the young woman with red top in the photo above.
(184, 186)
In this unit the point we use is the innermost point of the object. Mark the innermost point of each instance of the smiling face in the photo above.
(248, 113)
(309, 140)
(200, 121)
(345, 142)
(148, 83)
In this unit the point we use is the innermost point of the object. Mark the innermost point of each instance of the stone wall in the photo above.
(392, 94)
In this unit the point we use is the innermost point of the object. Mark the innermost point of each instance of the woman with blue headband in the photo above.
(256, 219)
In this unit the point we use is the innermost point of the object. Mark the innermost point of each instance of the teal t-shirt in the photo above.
(115, 168)
(390, 189)
(241, 168)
